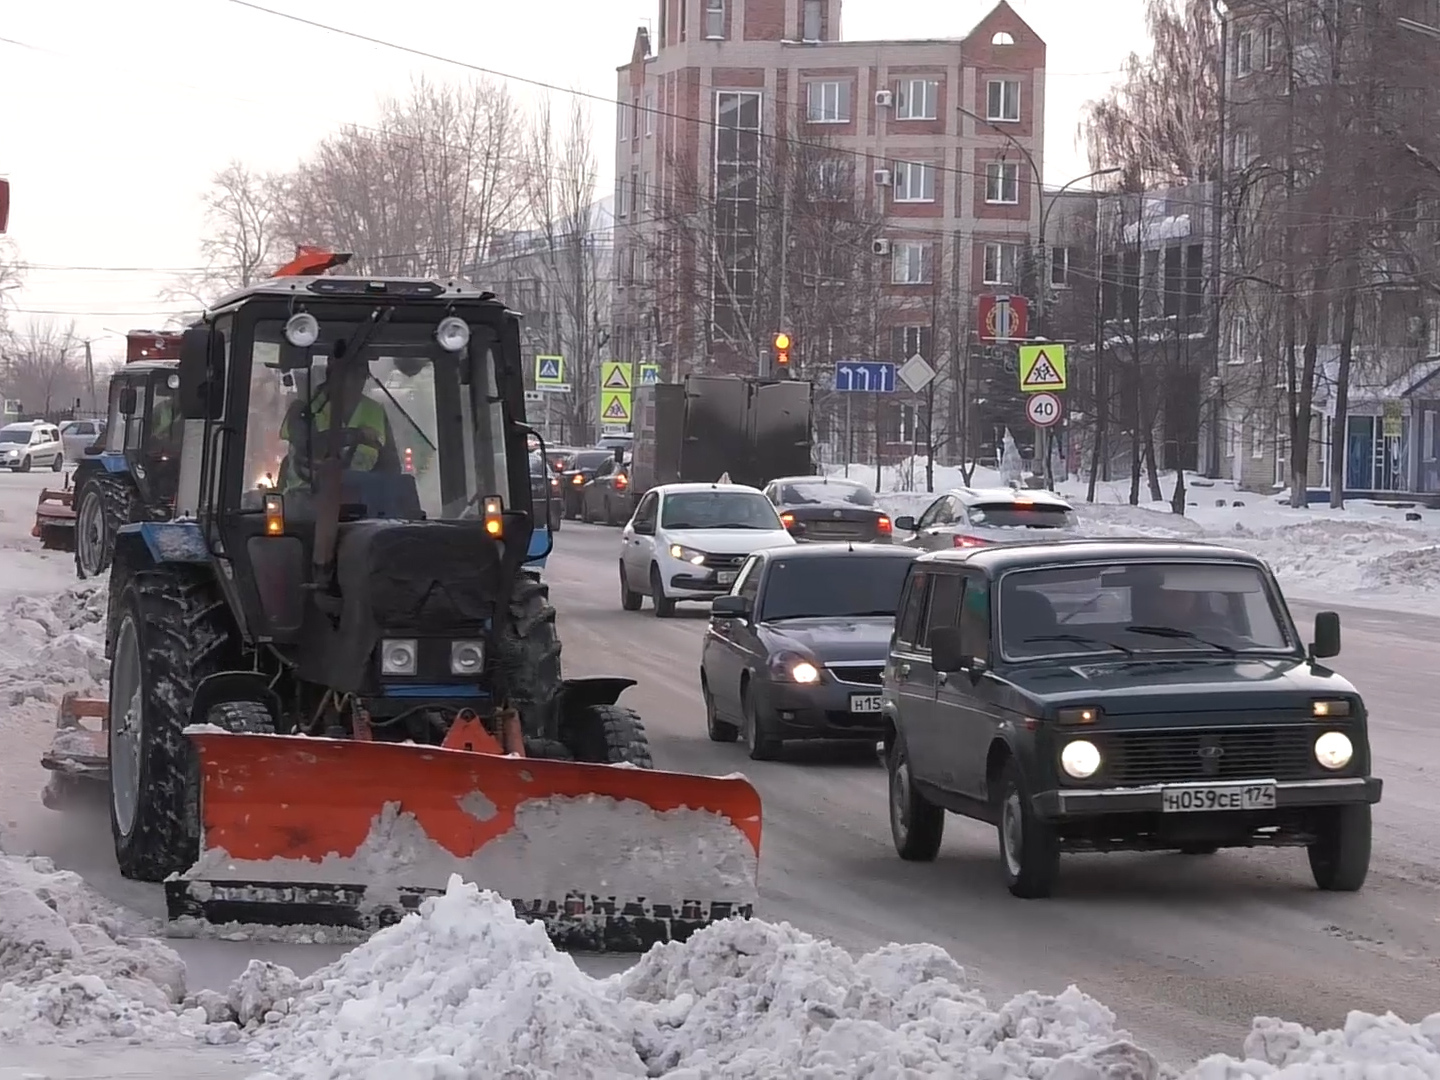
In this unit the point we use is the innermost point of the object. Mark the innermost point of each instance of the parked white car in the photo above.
(79, 435)
(974, 517)
(30, 443)
(688, 541)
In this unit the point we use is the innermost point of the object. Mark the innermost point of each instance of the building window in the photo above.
(1257, 440)
(622, 121)
(917, 99)
(1000, 263)
(714, 18)
(813, 18)
(1002, 102)
(736, 223)
(906, 341)
(1244, 47)
(829, 180)
(1002, 182)
(914, 182)
(1240, 153)
(910, 263)
(620, 197)
(645, 192)
(1060, 267)
(634, 191)
(1270, 55)
(649, 114)
(827, 102)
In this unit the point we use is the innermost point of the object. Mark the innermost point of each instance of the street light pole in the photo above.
(1420, 28)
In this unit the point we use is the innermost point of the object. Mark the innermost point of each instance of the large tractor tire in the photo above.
(174, 630)
(104, 503)
(608, 735)
(529, 655)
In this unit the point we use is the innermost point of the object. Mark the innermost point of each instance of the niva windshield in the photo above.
(424, 434)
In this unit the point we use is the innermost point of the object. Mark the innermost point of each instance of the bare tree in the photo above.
(241, 235)
(423, 195)
(41, 367)
(12, 273)
(565, 250)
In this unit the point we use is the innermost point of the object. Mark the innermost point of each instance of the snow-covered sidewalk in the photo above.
(465, 989)
(1367, 555)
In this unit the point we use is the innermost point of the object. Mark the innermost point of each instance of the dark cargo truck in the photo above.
(709, 425)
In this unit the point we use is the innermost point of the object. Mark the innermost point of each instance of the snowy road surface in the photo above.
(1186, 951)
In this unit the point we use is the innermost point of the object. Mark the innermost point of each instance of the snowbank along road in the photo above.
(1185, 950)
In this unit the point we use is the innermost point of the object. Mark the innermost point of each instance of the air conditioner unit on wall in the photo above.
(884, 98)
(883, 177)
(880, 246)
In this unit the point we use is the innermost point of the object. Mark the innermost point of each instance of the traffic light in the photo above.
(782, 352)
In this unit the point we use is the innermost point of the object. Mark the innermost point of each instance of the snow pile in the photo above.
(465, 988)
(1368, 1047)
(75, 968)
(52, 644)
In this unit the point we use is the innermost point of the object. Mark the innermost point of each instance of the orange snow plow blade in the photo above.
(79, 755)
(333, 832)
(55, 518)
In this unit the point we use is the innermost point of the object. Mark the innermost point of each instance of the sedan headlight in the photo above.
(690, 555)
(467, 657)
(1080, 759)
(398, 656)
(1334, 750)
(793, 667)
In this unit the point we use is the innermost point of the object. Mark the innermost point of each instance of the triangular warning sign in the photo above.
(615, 410)
(549, 368)
(616, 380)
(1042, 375)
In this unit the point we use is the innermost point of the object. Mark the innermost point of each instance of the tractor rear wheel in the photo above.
(103, 504)
(174, 630)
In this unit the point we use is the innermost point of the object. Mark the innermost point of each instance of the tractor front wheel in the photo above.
(105, 503)
(174, 630)
(528, 655)
(608, 735)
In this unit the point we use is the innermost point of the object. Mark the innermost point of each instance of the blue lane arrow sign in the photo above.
(864, 377)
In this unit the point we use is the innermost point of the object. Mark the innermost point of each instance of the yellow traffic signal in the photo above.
(782, 349)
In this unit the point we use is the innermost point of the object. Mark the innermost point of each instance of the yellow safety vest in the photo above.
(366, 416)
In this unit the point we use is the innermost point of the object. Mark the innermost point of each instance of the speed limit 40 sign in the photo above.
(1042, 410)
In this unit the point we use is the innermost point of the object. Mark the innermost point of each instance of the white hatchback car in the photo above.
(30, 443)
(974, 517)
(688, 541)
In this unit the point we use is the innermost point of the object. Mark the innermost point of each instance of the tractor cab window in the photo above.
(164, 421)
(424, 436)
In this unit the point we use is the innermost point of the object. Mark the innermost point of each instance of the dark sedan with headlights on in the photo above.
(797, 649)
(580, 468)
(829, 508)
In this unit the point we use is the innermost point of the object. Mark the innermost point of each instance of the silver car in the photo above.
(29, 444)
(973, 517)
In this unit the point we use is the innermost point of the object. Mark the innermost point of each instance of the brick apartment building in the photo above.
(933, 146)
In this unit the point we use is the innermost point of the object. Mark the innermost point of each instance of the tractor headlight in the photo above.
(467, 657)
(1334, 750)
(302, 330)
(453, 334)
(398, 656)
(1080, 759)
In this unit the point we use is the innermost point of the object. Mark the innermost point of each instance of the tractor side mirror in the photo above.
(129, 401)
(202, 373)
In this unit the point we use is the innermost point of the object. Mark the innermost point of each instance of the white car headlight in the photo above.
(690, 555)
(467, 657)
(399, 656)
(1334, 750)
(1080, 759)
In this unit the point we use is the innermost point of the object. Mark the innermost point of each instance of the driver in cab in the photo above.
(368, 442)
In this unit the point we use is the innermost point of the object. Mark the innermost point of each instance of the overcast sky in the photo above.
(113, 116)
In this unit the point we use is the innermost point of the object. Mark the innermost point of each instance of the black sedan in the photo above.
(608, 499)
(580, 468)
(797, 649)
(828, 508)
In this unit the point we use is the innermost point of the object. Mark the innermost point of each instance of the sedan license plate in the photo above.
(1204, 797)
(865, 703)
(725, 577)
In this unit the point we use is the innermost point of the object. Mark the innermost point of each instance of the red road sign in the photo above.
(1003, 318)
(1043, 409)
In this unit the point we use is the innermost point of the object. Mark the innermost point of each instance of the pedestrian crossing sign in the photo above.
(615, 375)
(1042, 368)
(649, 374)
(614, 407)
(549, 370)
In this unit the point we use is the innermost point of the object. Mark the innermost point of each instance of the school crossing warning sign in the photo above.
(1042, 368)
